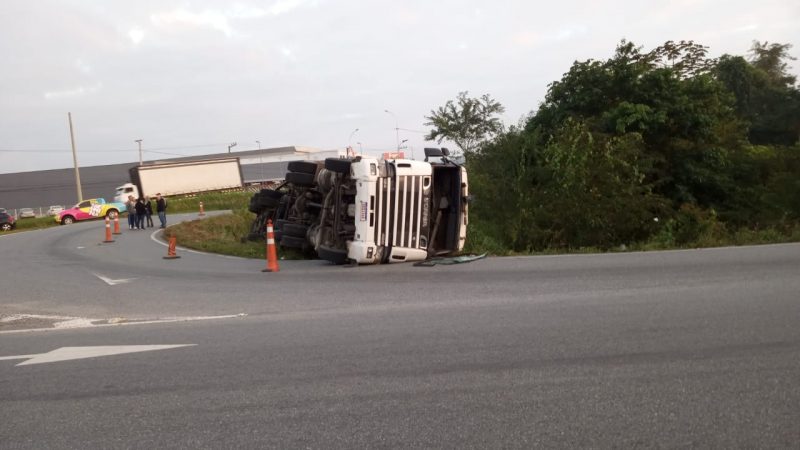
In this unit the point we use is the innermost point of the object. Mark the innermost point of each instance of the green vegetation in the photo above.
(35, 223)
(646, 150)
(222, 234)
(211, 201)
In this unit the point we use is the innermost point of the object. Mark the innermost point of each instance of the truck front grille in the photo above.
(402, 212)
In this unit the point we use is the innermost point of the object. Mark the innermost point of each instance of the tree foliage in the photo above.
(699, 144)
(468, 122)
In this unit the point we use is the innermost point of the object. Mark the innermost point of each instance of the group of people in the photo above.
(140, 212)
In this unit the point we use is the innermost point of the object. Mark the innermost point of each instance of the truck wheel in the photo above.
(269, 193)
(293, 242)
(266, 202)
(254, 208)
(296, 230)
(66, 220)
(334, 255)
(337, 165)
(112, 214)
(300, 179)
(302, 167)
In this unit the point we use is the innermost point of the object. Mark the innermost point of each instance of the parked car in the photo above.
(54, 210)
(7, 222)
(26, 213)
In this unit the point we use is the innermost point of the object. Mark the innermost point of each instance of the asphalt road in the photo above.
(664, 349)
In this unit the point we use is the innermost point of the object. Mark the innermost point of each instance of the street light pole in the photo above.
(232, 144)
(139, 141)
(75, 159)
(396, 128)
(350, 139)
(260, 163)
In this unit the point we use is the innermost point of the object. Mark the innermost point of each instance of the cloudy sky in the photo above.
(189, 77)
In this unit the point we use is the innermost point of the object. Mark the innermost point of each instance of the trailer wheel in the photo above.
(333, 255)
(300, 179)
(337, 165)
(296, 230)
(270, 193)
(253, 208)
(266, 202)
(302, 167)
(293, 242)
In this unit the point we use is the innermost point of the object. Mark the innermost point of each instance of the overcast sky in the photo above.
(189, 77)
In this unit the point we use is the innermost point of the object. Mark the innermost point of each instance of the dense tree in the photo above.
(467, 123)
(702, 144)
(766, 97)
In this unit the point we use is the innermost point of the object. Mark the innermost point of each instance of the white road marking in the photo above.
(70, 353)
(61, 323)
(111, 282)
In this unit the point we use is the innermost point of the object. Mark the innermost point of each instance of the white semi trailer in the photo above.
(181, 178)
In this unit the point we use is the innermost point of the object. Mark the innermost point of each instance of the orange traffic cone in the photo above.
(171, 249)
(108, 231)
(202, 213)
(116, 225)
(272, 253)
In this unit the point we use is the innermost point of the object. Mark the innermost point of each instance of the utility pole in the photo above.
(260, 162)
(396, 128)
(139, 141)
(75, 158)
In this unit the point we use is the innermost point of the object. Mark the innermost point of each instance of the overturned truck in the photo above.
(368, 211)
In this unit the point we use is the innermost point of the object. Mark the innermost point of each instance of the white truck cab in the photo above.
(369, 211)
(407, 210)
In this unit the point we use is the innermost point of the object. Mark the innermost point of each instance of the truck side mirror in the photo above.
(432, 152)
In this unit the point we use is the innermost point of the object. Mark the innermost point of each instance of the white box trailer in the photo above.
(182, 178)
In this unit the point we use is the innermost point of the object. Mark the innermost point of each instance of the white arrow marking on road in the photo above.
(111, 282)
(70, 353)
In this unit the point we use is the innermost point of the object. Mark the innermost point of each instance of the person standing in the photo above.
(131, 207)
(161, 209)
(141, 211)
(148, 207)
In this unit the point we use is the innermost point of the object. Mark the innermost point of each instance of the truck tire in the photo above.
(333, 255)
(253, 208)
(337, 165)
(270, 193)
(295, 230)
(293, 242)
(300, 179)
(302, 167)
(265, 202)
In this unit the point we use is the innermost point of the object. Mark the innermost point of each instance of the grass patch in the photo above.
(211, 201)
(223, 234)
(35, 223)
